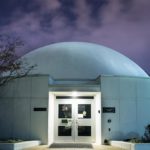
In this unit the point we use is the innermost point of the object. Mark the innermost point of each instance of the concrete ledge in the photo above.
(142, 146)
(19, 145)
(131, 146)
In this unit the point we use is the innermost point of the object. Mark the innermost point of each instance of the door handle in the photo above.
(70, 121)
(77, 122)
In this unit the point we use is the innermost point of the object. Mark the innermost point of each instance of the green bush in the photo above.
(146, 136)
(11, 141)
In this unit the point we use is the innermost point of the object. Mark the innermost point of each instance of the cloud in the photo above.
(121, 25)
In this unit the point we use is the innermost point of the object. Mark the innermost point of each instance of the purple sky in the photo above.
(123, 25)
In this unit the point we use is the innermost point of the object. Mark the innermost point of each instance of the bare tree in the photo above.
(11, 67)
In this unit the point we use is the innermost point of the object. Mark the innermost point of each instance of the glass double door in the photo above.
(74, 120)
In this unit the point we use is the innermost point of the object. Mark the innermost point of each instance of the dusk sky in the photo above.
(123, 25)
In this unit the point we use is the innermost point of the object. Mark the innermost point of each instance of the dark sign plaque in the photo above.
(40, 109)
(109, 110)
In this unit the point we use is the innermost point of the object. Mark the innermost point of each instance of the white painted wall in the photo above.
(131, 98)
(17, 101)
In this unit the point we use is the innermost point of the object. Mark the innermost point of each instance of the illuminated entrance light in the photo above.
(74, 94)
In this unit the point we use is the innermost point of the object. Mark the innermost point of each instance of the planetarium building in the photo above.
(78, 92)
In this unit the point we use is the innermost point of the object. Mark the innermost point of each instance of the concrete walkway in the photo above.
(95, 147)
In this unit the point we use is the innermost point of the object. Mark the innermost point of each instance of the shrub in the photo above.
(133, 140)
(11, 141)
(146, 136)
(106, 141)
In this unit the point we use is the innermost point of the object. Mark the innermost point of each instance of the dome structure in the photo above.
(81, 60)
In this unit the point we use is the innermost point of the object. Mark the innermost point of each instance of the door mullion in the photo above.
(75, 119)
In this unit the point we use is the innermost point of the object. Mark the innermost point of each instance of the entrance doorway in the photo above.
(74, 119)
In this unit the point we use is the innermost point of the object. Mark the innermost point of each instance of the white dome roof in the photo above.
(81, 60)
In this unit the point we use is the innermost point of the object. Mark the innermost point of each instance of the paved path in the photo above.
(95, 147)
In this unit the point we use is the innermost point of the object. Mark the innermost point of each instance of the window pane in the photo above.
(64, 131)
(84, 130)
(84, 110)
(65, 111)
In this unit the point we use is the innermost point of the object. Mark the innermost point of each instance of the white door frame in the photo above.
(74, 121)
(97, 101)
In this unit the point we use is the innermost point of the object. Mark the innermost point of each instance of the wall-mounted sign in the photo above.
(109, 110)
(40, 109)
